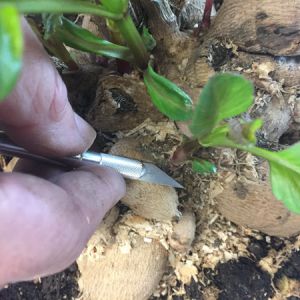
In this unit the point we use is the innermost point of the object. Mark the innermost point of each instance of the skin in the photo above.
(47, 215)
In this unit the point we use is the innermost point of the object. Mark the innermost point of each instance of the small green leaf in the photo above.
(242, 132)
(115, 6)
(79, 38)
(203, 166)
(249, 130)
(225, 96)
(148, 39)
(11, 48)
(167, 96)
(285, 177)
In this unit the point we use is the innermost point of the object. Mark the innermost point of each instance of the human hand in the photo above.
(46, 221)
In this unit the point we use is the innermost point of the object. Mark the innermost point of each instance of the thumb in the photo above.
(44, 226)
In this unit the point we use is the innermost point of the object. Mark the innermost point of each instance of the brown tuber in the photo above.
(129, 268)
(150, 201)
(252, 204)
(121, 103)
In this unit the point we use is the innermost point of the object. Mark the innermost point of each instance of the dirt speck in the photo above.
(241, 190)
(193, 291)
(258, 248)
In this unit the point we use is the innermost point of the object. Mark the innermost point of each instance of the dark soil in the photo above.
(290, 268)
(62, 286)
(241, 280)
(260, 248)
(193, 291)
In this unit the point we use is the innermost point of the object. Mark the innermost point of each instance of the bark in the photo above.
(161, 18)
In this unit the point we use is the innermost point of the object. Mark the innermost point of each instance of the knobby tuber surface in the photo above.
(252, 204)
(121, 103)
(124, 275)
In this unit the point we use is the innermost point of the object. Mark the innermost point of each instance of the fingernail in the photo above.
(86, 131)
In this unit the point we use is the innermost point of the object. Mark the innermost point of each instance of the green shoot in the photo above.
(79, 38)
(284, 165)
(128, 31)
(116, 11)
(225, 96)
(148, 39)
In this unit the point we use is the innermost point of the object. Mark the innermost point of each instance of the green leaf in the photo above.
(284, 173)
(285, 176)
(57, 6)
(167, 96)
(148, 39)
(225, 96)
(115, 6)
(203, 166)
(79, 38)
(11, 48)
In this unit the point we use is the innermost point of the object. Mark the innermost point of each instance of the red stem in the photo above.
(205, 22)
(207, 13)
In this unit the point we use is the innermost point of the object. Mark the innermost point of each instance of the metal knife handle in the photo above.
(129, 168)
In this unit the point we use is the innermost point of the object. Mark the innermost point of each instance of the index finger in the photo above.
(37, 114)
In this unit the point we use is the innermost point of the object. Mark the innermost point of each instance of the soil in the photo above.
(231, 261)
(62, 286)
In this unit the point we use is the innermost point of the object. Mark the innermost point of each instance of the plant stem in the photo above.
(134, 41)
(56, 47)
(184, 151)
(58, 6)
(205, 22)
(207, 14)
(266, 154)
